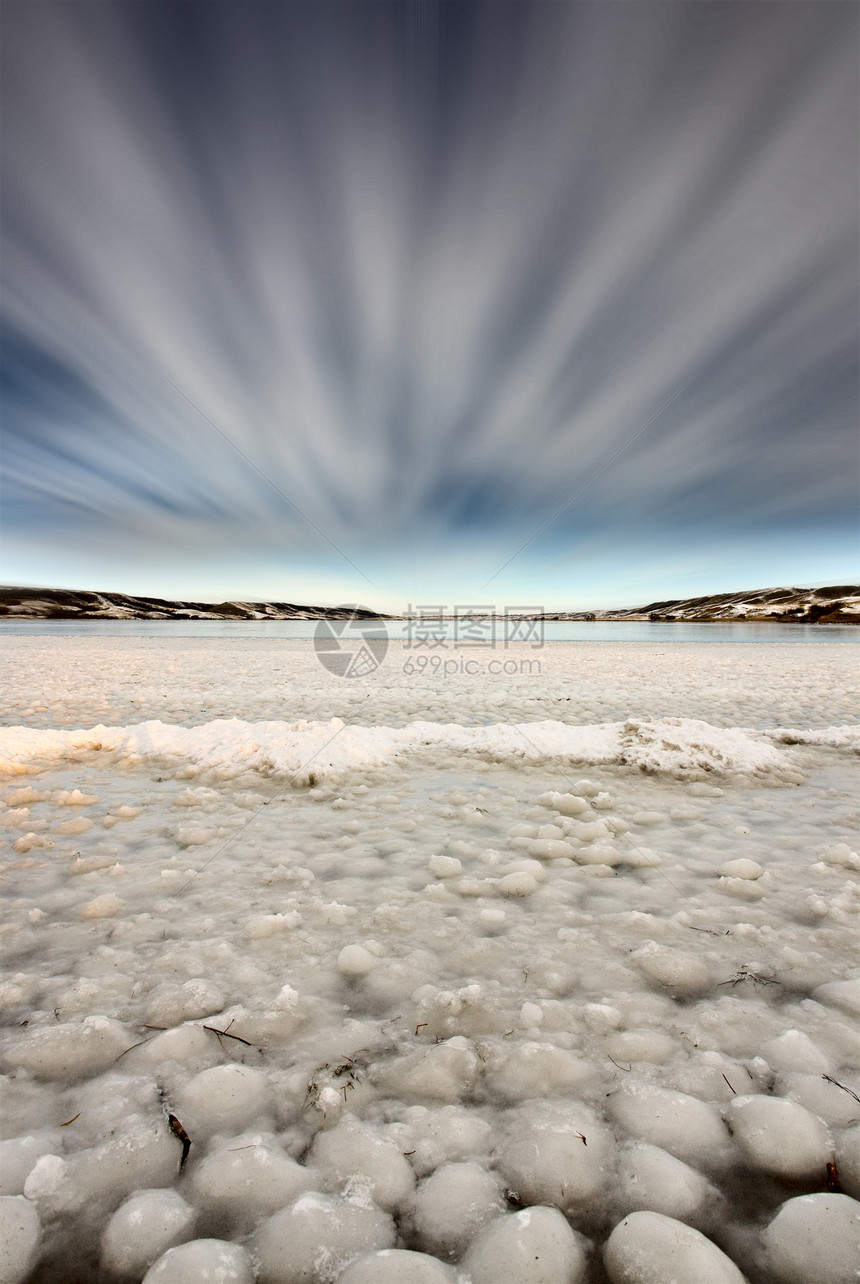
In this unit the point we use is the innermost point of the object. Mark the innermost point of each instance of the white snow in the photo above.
(426, 1000)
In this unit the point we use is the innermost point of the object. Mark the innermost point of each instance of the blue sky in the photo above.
(543, 304)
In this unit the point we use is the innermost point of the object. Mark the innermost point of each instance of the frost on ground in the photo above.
(545, 979)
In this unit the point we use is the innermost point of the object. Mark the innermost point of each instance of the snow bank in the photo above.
(681, 747)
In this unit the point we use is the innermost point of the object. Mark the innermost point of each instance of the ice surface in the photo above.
(470, 968)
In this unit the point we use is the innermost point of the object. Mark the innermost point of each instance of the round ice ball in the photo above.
(20, 1232)
(352, 1153)
(779, 1137)
(815, 1237)
(354, 961)
(222, 1099)
(213, 1260)
(317, 1236)
(452, 1204)
(73, 1050)
(247, 1179)
(144, 1227)
(534, 1246)
(683, 1125)
(396, 1266)
(650, 1179)
(650, 1248)
(556, 1153)
(18, 1157)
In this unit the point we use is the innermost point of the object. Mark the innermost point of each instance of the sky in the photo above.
(515, 304)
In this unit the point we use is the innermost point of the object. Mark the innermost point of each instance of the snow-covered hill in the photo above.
(64, 604)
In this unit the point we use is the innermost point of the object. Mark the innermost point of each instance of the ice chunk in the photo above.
(848, 1160)
(355, 961)
(93, 1182)
(442, 1072)
(20, 1233)
(649, 1248)
(107, 906)
(641, 1045)
(77, 825)
(531, 1014)
(212, 1260)
(566, 804)
(815, 1237)
(676, 970)
(173, 1004)
(587, 788)
(741, 868)
(18, 1157)
(446, 1134)
(794, 1050)
(222, 1099)
(518, 883)
(523, 1070)
(450, 1206)
(841, 856)
(144, 1227)
(32, 840)
(74, 798)
(314, 1239)
(396, 1266)
(840, 994)
(534, 1246)
(248, 1178)
(445, 867)
(556, 1153)
(352, 1155)
(651, 1179)
(186, 1045)
(779, 1137)
(73, 1050)
(683, 1125)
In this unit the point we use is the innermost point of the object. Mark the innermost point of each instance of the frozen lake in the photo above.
(551, 630)
(577, 936)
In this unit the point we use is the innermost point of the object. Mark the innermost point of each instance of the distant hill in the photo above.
(839, 604)
(65, 604)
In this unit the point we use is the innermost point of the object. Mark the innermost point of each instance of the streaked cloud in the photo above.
(428, 266)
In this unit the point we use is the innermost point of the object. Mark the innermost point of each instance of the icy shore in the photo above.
(551, 977)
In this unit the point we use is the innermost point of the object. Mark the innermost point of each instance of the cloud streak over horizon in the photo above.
(428, 266)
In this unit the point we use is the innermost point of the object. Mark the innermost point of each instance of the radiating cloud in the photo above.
(428, 266)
